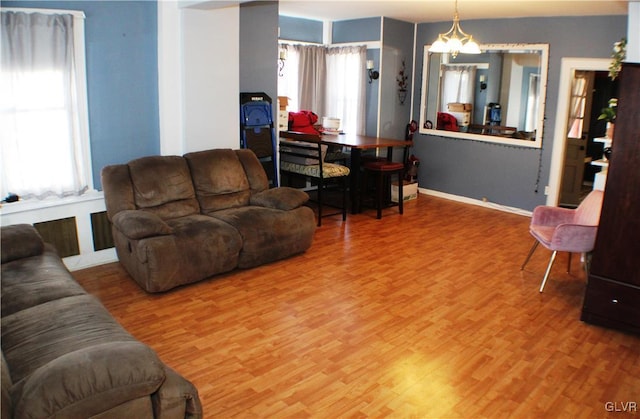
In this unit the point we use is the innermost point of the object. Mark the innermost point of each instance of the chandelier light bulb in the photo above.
(455, 40)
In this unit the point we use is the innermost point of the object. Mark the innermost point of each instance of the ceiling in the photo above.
(442, 10)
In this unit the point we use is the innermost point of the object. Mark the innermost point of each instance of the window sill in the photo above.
(36, 204)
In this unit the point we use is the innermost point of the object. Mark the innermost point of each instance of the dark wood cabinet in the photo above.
(612, 297)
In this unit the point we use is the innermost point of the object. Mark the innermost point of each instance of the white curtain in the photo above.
(312, 76)
(288, 76)
(457, 85)
(346, 87)
(531, 114)
(42, 151)
(328, 81)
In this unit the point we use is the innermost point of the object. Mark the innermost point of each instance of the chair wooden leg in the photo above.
(533, 249)
(569, 264)
(546, 275)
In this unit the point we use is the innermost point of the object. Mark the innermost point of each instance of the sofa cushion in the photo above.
(199, 246)
(281, 233)
(283, 198)
(219, 179)
(162, 185)
(206, 246)
(258, 180)
(138, 224)
(20, 241)
(35, 280)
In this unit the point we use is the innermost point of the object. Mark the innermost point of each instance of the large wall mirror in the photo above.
(496, 96)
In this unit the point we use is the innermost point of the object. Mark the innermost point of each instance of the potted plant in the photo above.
(608, 115)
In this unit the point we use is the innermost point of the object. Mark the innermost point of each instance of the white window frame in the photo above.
(81, 76)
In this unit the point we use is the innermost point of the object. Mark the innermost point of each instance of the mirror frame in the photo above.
(544, 70)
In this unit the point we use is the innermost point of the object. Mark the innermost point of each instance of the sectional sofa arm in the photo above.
(176, 398)
(282, 198)
(20, 241)
(138, 224)
(89, 380)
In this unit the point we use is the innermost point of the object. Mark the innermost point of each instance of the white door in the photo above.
(577, 137)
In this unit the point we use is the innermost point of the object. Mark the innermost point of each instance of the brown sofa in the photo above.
(65, 356)
(177, 220)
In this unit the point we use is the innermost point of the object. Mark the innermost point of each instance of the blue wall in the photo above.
(122, 77)
(356, 30)
(299, 29)
(397, 45)
(508, 175)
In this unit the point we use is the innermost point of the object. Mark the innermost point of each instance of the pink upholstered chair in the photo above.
(566, 230)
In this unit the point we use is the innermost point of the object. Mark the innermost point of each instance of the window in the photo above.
(43, 107)
(578, 99)
(329, 81)
(457, 85)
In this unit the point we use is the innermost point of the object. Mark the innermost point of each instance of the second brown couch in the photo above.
(180, 219)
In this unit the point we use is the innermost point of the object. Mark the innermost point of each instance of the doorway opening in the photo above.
(562, 129)
(590, 93)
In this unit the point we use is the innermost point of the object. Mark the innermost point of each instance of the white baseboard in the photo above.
(87, 260)
(467, 200)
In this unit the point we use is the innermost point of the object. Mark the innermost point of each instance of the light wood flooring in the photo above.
(423, 315)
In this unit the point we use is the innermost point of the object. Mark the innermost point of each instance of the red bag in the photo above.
(447, 122)
(303, 122)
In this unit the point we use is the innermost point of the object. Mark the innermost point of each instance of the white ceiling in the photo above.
(442, 10)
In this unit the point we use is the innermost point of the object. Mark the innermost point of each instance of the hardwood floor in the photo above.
(415, 316)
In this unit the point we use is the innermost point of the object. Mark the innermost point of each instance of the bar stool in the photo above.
(383, 170)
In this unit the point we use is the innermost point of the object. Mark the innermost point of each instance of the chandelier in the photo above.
(455, 40)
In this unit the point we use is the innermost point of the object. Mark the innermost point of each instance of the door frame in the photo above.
(568, 67)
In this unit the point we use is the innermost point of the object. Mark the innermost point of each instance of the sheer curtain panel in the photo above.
(312, 76)
(346, 87)
(457, 85)
(43, 116)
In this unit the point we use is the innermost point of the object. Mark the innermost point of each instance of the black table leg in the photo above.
(354, 186)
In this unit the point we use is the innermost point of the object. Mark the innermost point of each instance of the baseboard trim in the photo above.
(88, 260)
(477, 202)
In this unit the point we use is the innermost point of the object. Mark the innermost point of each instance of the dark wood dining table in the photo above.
(357, 144)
